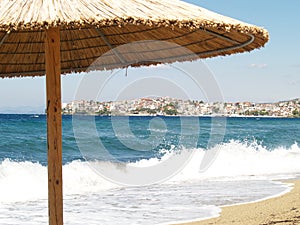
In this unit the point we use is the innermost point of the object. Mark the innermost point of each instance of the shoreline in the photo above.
(283, 209)
(151, 115)
(179, 115)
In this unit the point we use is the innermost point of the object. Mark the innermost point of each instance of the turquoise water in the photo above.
(244, 157)
(23, 137)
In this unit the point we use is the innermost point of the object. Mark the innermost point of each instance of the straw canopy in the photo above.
(88, 29)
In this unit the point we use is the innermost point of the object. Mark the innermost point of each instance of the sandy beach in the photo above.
(283, 210)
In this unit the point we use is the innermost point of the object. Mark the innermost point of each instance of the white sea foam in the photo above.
(234, 161)
(22, 181)
(238, 174)
(237, 160)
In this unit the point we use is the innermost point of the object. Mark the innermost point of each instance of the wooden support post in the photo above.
(54, 126)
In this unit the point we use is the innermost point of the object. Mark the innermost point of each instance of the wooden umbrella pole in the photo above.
(54, 126)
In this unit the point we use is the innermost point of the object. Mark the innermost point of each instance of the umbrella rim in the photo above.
(191, 24)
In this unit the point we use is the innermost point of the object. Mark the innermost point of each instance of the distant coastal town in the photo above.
(166, 106)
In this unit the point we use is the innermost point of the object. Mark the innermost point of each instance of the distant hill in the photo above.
(177, 107)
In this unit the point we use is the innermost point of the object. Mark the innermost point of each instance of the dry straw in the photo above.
(88, 29)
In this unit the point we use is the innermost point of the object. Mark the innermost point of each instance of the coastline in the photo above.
(151, 115)
(180, 115)
(283, 209)
(172, 107)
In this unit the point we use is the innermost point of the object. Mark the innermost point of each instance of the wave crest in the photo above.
(23, 181)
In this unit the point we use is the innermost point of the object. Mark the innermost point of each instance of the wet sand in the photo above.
(282, 210)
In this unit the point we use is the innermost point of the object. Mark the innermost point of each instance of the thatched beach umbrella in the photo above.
(55, 37)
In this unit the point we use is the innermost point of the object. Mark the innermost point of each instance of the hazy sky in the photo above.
(265, 75)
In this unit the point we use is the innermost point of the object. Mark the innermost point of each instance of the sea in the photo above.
(145, 170)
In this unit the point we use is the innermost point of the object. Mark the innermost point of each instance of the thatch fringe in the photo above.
(122, 22)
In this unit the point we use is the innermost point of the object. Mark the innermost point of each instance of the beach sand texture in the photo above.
(280, 210)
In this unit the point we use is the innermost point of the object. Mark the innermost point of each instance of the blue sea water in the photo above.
(243, 156)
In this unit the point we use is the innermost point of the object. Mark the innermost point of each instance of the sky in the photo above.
(268, 74)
